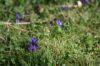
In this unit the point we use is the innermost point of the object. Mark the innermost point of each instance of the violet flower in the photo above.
(59, 22)
(85, 1)
(18, 17)
(34, 41)
(33, 45)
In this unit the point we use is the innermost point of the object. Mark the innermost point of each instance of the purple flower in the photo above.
(33, 45)
(59, 22)
(85, 1)
(18, 17)
(34, 41)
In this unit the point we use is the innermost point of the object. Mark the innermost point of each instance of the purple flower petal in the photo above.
(85, 1)
(59, 22)
(34, 41)
(18, 17)
(32, 47)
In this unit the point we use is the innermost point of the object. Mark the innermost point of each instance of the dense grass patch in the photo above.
(75, 43)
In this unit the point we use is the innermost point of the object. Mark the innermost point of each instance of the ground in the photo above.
(73, 42)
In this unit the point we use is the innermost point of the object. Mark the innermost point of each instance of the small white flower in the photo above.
(79, 3)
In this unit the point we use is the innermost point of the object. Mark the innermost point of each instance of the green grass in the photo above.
(76, 44)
